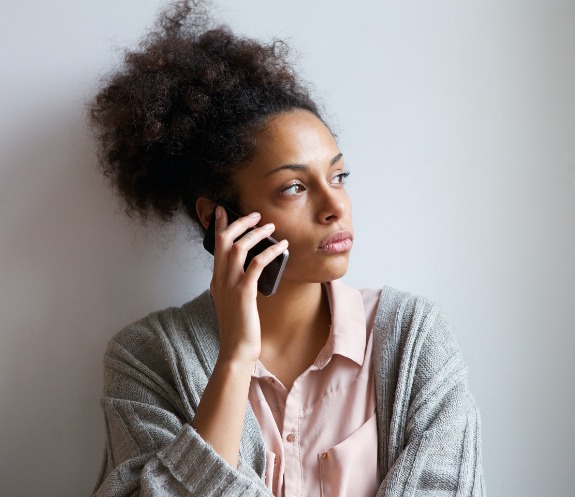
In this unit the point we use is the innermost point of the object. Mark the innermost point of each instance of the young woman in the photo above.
(318, 389)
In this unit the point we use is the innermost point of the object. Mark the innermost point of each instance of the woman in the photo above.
(319, 389)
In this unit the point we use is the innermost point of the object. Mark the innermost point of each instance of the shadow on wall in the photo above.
(73, 273)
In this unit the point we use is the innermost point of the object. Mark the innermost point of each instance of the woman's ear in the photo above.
(205, 210)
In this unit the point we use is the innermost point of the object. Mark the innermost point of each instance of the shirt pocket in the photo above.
(349, 469)
(272, 470)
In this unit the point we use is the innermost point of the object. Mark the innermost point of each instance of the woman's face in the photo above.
(295, 180)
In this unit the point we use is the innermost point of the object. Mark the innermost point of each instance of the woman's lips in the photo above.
(337, 243)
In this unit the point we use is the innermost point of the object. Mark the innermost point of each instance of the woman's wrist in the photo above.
(235, 365)
(242, 355)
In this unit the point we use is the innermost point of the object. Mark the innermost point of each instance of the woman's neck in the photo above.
(295, 326)
(298, 314)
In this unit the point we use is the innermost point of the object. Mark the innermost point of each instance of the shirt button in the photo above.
(291, 438)
(275, 460)
(324, 455)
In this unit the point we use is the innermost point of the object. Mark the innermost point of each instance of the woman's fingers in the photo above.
(220, 259)
(233, 242)
(226, 234)
(260, 261)
(240, 248)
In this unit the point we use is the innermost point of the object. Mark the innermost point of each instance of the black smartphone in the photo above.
(270, 278)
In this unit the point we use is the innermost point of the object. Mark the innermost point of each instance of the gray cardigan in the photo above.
(157, 369)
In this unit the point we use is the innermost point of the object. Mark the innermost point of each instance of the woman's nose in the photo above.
(333, 204)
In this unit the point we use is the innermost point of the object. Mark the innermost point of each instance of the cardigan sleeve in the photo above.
(151, 449)
(430, 424)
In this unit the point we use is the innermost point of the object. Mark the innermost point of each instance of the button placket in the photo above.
(292, 463)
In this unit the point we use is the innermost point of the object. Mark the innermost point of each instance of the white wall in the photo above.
(458, 121)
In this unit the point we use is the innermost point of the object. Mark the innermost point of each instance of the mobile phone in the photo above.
(270, 278)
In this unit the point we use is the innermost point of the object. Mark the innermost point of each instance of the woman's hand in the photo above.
(234, 291)
(219, 418)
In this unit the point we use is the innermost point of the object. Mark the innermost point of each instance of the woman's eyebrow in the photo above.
(301, 167)
(335, 159)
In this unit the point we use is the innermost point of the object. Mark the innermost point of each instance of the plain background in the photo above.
(457, 120)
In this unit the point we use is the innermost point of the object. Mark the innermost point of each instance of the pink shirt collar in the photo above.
(347, 336)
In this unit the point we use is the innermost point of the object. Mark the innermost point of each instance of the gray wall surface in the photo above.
(457, 120)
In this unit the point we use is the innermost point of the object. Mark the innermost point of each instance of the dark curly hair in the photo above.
(179, 117)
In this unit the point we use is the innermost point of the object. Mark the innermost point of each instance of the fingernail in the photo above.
(254, 214)
(268, 226)
(218, 212)
(284, 243)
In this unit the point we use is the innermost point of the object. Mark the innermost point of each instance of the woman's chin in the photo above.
(319, 275)
(336, 275)
(337, 267)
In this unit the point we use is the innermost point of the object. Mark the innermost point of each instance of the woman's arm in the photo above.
(429, 422)
(220, 415)
(151, 448)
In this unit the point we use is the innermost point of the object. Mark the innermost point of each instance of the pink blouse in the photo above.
(321, 436)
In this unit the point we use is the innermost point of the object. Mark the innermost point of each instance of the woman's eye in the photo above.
(339, 179)
(293, 189)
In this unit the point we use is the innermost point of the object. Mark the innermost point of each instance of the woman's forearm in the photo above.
(219, 419)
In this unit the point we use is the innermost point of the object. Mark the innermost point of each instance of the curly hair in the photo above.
(179, 117)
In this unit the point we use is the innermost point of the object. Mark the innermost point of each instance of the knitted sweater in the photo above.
(157, 369)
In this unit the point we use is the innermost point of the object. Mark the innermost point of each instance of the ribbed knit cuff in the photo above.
(196, 465)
